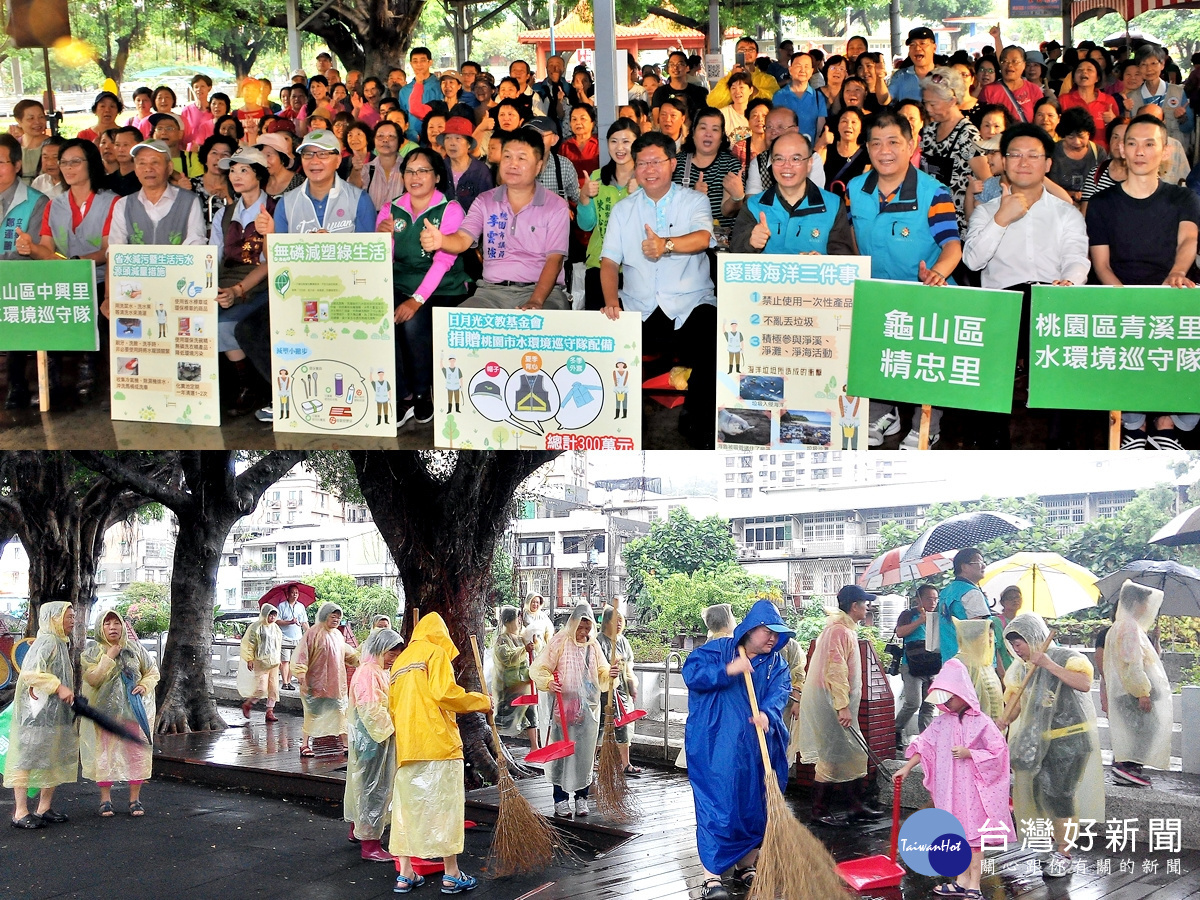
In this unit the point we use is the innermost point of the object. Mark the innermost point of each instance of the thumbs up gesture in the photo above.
(1012, 207)
(701, 186)
(761, 233)
(653, 246)
(733, 185)
(24, 243)
(591, 187)
(930, 276)
(431, 237)
(264, 222)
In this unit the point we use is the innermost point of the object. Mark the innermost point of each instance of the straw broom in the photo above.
(792, 864)
(613, 798)
(522, 840)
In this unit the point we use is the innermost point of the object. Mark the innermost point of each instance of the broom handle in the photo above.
(762, 738)
(491, 719)
(612, 689)
(895, 817)
(1010, 708)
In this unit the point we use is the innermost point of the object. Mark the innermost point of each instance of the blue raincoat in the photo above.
(724, 762)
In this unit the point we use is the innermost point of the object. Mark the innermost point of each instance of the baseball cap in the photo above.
(991, 145)
(298, 73)
(247, 156)
(162, 116)
(278, 143)
(921, 34)
(1035, 56)
(852, 593)
(321, 139)
(158, 146)
(542, 124)
(450, 73)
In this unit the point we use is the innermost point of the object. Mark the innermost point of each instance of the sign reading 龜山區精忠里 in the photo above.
(1114, 348)
(942, 346)
(48, 305)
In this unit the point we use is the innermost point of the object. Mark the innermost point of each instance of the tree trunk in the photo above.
(185, 693)
(442, 521)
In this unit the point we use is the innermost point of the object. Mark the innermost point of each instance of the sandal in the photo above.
(714, 890)
(404, 884)
(136, 809)
(952, 889)
(106, 809)
(745, 876)
(307, 752)
(632, 771)
(452, 885)
(29, 821)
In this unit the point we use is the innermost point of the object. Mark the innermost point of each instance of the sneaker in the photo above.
(403, 416)
(581, 806)
(266, 414)
(1058, 865)
(913, 438)
(1127, 773)
(423, 409)
(563, 808)
(884, 427)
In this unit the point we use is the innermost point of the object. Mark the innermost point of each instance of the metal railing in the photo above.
(666, 701)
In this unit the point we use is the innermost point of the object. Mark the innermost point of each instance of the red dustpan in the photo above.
(873, 872)
(626, 717)
(559, 749)
(531, 698)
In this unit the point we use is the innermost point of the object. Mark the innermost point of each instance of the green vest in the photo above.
(410, 263)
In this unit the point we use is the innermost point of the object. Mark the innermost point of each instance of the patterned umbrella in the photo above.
(1183, 529)
(964, 530)
(1180, 584)
(892, 568)
(1051, 586)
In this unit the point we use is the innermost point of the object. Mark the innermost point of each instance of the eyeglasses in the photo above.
(651, 163)
(789, 160)
(418, 171)
(70, 163)
(1025, 157)
(319, 154)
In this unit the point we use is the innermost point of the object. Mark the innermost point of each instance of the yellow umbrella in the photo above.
(1051, 585)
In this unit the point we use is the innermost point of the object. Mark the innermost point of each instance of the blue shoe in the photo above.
(452, 885)
(404, 885)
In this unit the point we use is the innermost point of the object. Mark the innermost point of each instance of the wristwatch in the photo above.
(668, 247)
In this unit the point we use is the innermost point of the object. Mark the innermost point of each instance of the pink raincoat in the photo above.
(974, 790)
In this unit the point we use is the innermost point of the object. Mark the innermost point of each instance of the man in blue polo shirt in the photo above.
(906, 83)
(807, 102)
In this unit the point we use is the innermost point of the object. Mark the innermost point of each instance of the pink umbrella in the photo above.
(891, 568)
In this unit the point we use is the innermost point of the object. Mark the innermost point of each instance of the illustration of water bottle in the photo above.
(337, 383)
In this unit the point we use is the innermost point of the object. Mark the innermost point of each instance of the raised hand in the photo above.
(1012, 207)
(264, 222)
(733, 185)
(653, 246)
(701, 185)
(761, 233)
(431, 237)
(591, 187)
(387, 226)
(24, 243)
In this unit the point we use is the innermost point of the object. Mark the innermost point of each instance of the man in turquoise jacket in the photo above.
(961, 599)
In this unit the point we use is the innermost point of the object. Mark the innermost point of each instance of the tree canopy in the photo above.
(680, 544)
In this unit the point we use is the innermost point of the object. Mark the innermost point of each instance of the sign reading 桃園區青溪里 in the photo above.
(1127, 348)
(783, 351)
(536, 380)
(162, 334)
(333, 358)
(48, 305)
(942, 346)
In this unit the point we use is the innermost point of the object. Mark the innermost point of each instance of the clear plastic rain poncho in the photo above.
(583, 671)
(108, 685)
(262, 644)
(372, 763)
(617, 649)
(508, 675)
(977, 651)
(1132, 669)
(1054, 747)
(793, 654)
(43, 748)
(834, 682)
(320, 663)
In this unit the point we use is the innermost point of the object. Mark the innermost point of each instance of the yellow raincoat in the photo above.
(43, 749)
(106, 685)
(320, 663)
(977, 651)
(262, 644)
(428, 795)
(834, 682)
(794, 655)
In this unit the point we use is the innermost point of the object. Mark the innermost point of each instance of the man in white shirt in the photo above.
(780, 120)
(159, 213)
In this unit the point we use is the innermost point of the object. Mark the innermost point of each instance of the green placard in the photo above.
(48, 305)
(946, 346)
(1115, 348)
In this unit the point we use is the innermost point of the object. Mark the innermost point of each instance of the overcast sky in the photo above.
(1007, 473)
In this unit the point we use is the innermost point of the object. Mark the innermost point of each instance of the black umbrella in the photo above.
(964, 530)
(81, 707)
(1180, 584)
(1181, 530)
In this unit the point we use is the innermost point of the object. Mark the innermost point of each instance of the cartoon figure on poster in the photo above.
(160, 313)
(848, 407)
(733, 341)
(383, 395)
(573, 396)
(453, 375)
(621, 389)
(330, 393)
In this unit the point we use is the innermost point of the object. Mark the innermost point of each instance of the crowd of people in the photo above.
(1015, 718)
(1058, 166)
